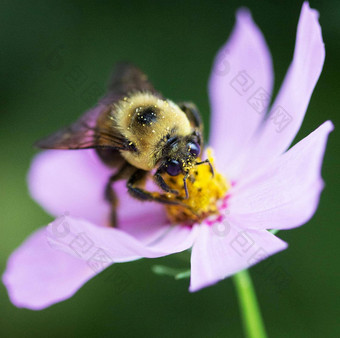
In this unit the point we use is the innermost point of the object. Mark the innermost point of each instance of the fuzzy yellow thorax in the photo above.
(205, 191)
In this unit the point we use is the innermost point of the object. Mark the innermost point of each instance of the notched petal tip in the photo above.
(306, 7)
(310, 16)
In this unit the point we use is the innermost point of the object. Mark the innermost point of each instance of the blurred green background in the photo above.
(174, 42)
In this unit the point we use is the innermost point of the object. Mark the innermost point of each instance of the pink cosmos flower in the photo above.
(274, 188)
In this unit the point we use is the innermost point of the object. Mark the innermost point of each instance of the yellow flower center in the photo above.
(205, 191)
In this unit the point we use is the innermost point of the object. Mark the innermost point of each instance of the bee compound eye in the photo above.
(173, 168)
(194, 148)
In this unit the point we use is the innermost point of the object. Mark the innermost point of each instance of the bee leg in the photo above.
(110, 194)
(161, 183)
(211, 167)
(138, 177)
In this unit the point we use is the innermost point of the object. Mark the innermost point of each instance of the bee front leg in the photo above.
(138, 178)
(161, 183)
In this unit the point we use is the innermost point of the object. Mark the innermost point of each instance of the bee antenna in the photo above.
(211, 167)
(185, 185)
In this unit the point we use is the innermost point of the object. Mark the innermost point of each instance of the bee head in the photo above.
(180, 155)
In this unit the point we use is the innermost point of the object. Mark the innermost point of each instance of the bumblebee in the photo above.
(135, 129)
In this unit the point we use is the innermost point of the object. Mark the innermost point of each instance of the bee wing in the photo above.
(85, 133)
(125, 80)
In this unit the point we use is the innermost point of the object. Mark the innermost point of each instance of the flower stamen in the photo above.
(205, 186)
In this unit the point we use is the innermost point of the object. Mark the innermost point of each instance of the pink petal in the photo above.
(38, 276)
(286, 193)
(216, 256)
(242, 69)
(145, 221)
(82, 239)
(70, 182)
(289, 108)
(175, 238)
(51, 265)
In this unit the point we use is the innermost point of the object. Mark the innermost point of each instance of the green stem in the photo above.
(250, 311)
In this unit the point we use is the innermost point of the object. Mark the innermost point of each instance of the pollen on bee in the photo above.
(205, 193)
